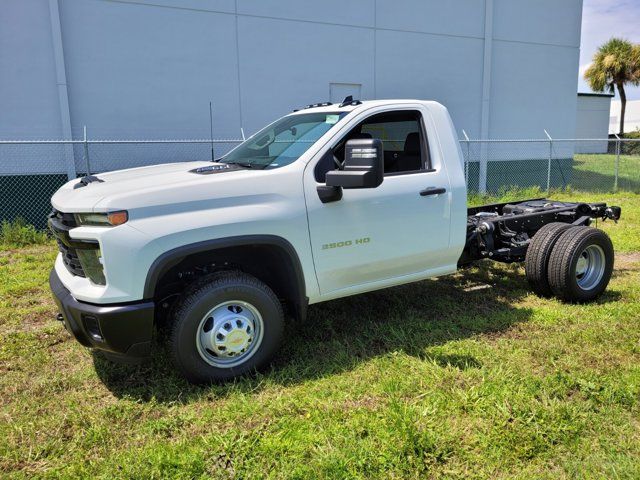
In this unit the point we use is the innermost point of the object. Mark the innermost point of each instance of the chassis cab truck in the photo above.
(326, 202)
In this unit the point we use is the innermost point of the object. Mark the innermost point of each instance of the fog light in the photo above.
(90, 259)
(92, 327)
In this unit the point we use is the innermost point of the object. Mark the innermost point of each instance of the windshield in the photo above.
(284, 141)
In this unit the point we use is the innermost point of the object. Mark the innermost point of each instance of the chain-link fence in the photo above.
(31, 171)
(595, 165)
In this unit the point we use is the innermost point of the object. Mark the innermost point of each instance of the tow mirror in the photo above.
(363, 165)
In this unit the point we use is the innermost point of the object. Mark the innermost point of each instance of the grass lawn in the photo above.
(469, 376)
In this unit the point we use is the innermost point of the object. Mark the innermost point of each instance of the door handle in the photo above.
(432, 191)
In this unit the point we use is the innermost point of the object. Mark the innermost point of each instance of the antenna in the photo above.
(211, 128)
(347, 101)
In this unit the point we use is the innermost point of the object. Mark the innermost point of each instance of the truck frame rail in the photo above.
(503, 231)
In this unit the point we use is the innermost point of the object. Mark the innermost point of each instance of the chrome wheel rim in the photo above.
(229, 334)
(590, 267)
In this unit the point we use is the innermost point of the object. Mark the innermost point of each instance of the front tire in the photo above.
(581, 264)
(225, 325)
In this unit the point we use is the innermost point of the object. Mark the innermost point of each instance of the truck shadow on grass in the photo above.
(341, 334)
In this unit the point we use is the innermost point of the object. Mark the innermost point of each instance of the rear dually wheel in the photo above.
(538, 253)
(581, 264)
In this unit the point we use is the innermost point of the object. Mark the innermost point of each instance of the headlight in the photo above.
(91, 262)
(111, 219)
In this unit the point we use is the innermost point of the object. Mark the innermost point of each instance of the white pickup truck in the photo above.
(326, 202)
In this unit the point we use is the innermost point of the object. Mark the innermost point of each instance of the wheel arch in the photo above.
(270, 258)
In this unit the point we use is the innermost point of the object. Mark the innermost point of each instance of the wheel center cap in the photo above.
(236, 340)
(581, 266)
(229, 334)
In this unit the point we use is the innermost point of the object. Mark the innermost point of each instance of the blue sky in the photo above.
(602, 19)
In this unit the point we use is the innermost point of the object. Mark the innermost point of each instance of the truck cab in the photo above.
(326, 202)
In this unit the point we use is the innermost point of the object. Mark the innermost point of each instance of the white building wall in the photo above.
(148, 69)
(29, 105)
(534, 69)
(592, 121)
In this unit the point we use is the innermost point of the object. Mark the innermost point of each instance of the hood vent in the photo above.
(215, 168)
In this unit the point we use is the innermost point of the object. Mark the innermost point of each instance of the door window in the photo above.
(403, 140)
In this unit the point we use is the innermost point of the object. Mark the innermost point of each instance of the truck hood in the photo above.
(123, 189)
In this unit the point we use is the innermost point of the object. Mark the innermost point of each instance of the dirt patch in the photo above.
(30, 250)
(366, 402)
(627, 259)
(626, 264)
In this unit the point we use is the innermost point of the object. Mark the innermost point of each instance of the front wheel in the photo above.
(226, 325)
(581, 264)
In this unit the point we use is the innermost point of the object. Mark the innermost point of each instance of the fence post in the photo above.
(86, 150)
(617, 167)
(466, 160)
(483, 166)
(549, 162)
(69, 160)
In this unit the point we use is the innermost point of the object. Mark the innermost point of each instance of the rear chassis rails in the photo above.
(503, 231)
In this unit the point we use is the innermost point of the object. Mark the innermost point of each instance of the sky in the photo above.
(601, 20)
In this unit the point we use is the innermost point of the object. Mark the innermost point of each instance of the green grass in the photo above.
(469, 376)
(18, 233)
(506, 194)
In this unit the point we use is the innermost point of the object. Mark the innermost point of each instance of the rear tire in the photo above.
(581, 264)
(225, 325)
(536, 262)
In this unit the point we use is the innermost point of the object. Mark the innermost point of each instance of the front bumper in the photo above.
(122, 331)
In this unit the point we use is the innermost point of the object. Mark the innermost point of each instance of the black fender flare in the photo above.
(171, 258)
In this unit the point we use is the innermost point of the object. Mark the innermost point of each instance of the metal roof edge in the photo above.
(595, 94)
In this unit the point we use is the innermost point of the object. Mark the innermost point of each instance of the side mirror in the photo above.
(363, 165)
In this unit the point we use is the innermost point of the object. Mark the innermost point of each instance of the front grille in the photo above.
(70, 259)
(60, 223)
(66, 219)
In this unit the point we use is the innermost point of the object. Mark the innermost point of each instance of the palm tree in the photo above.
(616, 63)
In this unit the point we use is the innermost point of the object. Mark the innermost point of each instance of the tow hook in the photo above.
(613, 213)
(60, 317)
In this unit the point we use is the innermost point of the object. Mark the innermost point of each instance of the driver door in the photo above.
(373, 237)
